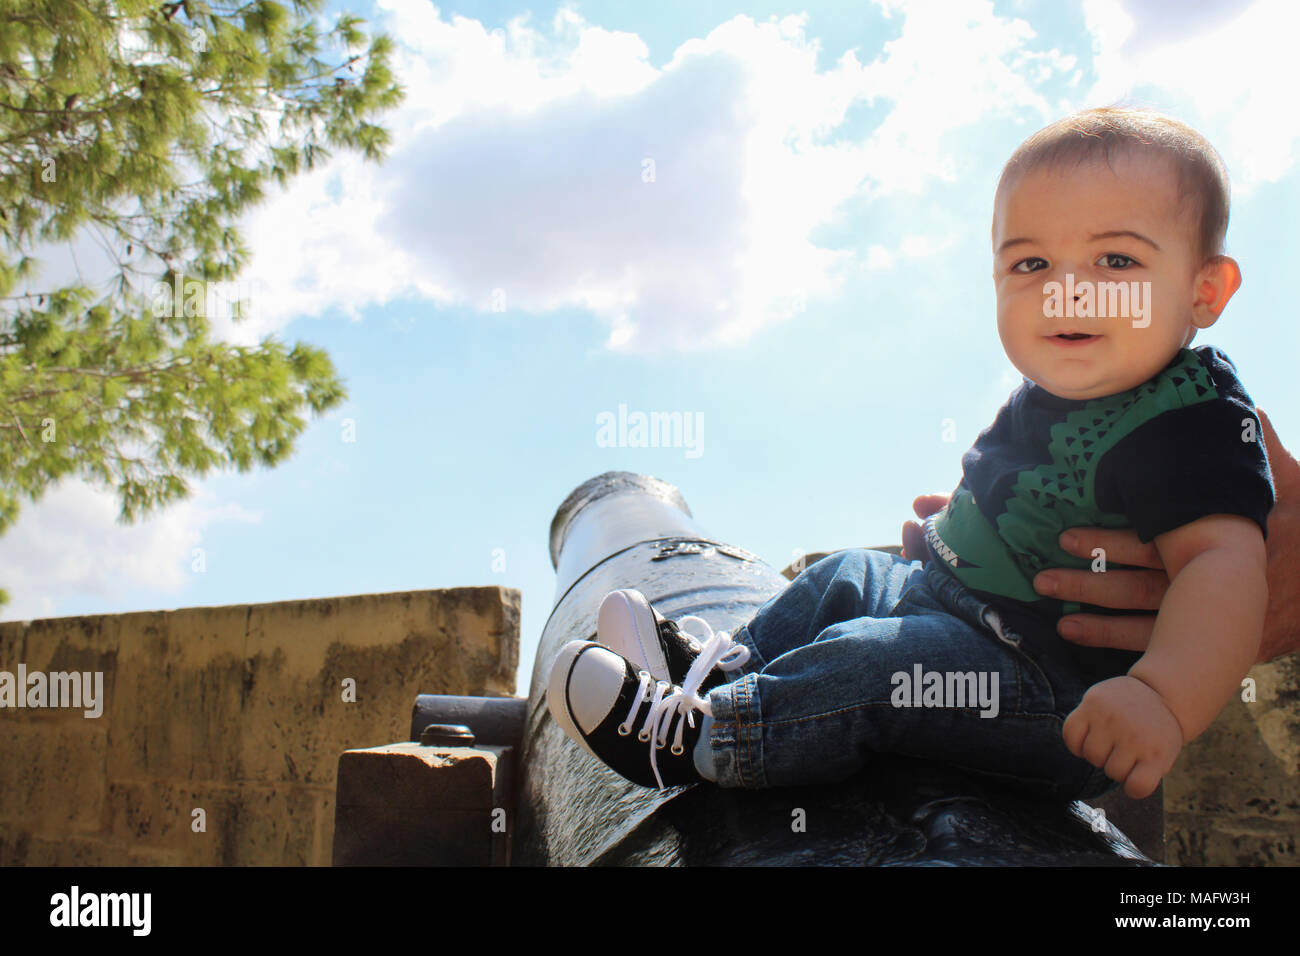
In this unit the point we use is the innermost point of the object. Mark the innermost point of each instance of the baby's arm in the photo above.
(1206, 637)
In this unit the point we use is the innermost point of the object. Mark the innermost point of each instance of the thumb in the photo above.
(926, 505)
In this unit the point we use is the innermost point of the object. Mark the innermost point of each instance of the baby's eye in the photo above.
(1127, 260)
(1016, 267)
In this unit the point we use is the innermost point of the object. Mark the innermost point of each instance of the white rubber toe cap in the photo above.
(585, 683)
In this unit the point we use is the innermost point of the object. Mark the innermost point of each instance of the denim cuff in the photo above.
(736, 737)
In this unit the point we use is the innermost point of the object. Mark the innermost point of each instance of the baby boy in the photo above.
(1108, 233)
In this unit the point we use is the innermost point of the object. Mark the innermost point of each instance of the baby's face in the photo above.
(1097, 225)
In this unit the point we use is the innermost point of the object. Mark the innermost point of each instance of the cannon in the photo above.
(621, 529)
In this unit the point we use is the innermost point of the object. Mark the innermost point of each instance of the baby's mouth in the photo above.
(1072, 340)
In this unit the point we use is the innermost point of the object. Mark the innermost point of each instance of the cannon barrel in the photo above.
(622, 529)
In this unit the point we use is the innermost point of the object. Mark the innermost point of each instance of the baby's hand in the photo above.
(1123, 726)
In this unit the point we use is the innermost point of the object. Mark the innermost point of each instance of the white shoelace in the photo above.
(718, 651)
(728, 662)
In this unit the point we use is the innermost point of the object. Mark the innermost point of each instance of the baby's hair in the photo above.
(1090, 135)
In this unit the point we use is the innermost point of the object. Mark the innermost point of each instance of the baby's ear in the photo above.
(1216, 283)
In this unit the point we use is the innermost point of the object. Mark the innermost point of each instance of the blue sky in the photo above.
(807, 274)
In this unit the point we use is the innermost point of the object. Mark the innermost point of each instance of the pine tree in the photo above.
(153, 127)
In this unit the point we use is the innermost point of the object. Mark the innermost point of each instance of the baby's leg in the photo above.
(820, 712)
(840, 587)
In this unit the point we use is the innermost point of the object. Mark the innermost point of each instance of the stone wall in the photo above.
(1233, 797)
(240, 712)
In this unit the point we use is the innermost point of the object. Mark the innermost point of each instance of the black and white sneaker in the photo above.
(622, 716)
(630, 626)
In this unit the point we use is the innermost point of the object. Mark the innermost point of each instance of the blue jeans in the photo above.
(834, 657)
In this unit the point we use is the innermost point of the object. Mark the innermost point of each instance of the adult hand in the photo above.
(913, 536)
(1143, 590)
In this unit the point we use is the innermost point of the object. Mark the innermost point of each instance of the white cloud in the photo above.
(953, 66)
(69, 545)
(911, 247)
(518, 171)
(1234, 65)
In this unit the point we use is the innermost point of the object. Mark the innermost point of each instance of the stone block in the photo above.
(408, 805)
